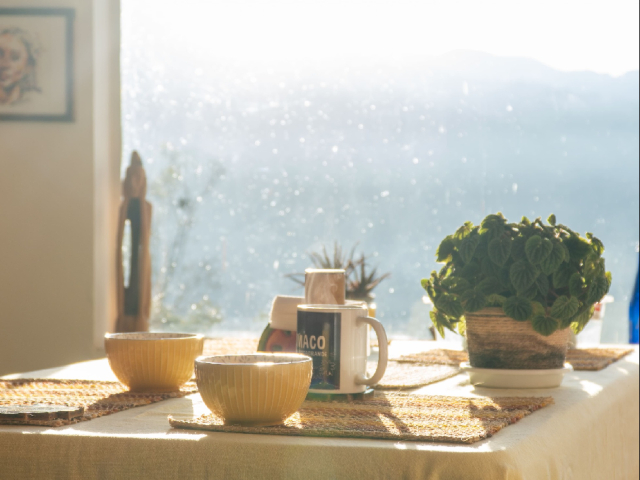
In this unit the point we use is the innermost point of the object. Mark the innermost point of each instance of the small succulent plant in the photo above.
(360, 281)
(544, 274)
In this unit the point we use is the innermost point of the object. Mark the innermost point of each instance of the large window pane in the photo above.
(256, 159)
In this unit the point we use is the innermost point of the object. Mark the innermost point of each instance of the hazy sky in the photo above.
(600, 36)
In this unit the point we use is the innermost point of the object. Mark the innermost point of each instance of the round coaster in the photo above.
(341, 397)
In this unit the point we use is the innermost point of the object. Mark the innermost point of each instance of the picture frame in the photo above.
(37, 64)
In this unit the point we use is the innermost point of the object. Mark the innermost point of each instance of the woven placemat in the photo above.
(435, 357)
(592, 359)
(595, 358)
(401, 376)
(393, 416)
(54, 403)
(230, 346)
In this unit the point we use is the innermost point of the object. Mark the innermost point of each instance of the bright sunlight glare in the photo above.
(569, 35)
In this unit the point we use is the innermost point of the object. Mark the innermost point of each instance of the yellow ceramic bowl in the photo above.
(153, 362)
(254, 390)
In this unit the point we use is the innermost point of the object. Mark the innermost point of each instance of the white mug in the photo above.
(336, 338)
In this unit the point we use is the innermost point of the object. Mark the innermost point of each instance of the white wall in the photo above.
(58, 187)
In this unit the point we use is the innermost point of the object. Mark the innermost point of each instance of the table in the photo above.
(590, 433)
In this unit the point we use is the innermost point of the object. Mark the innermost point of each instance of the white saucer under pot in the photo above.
(501, 378)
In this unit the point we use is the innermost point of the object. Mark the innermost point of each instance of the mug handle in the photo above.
(383, 355)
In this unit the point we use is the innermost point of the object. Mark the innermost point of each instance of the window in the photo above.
(271, 129)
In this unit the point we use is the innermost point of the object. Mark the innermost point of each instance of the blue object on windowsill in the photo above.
(633, 313)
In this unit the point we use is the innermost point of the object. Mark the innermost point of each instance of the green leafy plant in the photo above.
(360, 279)
(545, 274)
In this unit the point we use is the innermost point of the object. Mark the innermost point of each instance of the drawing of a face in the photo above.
(16, 63)
(14, 60)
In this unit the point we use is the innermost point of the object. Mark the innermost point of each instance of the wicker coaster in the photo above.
(54, 403)
(580, 359)
(393, 416)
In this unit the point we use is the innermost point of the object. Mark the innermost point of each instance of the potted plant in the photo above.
(516, 290)
(360, 281)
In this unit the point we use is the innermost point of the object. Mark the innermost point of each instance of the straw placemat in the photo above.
(393, 416)
(592, 359)
(595, 358)
(401, 376)
(229, 346)
(435, 357)
(54, 403)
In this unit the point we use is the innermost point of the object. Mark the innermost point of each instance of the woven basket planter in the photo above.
(497, 341)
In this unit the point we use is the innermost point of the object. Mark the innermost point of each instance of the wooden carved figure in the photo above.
(134, 296)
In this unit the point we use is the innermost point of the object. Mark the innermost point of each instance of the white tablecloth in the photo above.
(592, 432)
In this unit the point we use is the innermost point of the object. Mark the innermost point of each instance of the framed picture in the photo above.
(36, 64)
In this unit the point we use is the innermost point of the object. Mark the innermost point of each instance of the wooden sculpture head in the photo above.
(135, 183)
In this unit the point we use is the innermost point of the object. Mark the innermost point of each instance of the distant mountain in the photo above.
(481, 66)
(629, 82)
(484, 66)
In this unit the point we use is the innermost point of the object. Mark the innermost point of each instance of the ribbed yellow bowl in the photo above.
(153, 362)
(254, 390)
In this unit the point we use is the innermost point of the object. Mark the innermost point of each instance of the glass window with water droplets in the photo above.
(274, 132)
